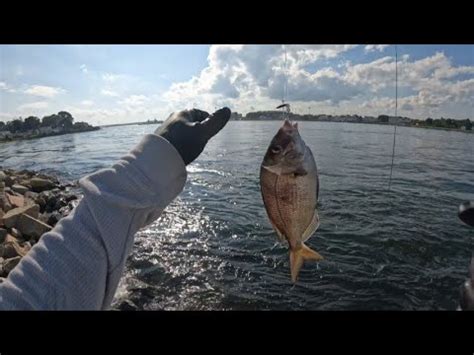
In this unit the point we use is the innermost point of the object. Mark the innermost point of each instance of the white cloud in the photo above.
(87, 103)
(134, 100)
(375, 47)
(4, 86)
(111, 93)
(33, 106)
(246, 73)
(254, 76)
(43, 91)
(83, 68)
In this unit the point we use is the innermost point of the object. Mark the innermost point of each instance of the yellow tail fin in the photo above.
(297, 257)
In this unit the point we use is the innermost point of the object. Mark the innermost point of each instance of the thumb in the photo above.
(214, 123)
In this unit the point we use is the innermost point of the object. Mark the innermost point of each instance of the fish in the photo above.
(289, 184)
(467, 290)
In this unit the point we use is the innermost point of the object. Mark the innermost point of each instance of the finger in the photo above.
(216, 122)
(196, 115)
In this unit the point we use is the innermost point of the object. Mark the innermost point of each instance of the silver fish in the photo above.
(290, 187)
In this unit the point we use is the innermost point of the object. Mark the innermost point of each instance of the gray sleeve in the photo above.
(78, 265)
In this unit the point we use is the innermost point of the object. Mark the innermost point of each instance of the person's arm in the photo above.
(79, 263)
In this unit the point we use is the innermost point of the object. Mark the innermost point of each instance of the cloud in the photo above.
(43, 91)
(134, 100)
(33, 106)
(373, 48)
(83, 68)
(3, 85)
(111, 93)
(87, 103)
(255, 72)
(254, 76)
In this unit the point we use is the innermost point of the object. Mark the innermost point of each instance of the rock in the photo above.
(3, 234)
(60, 202)
(40, 184)
(9, 238)
(40, 200)
(15, 200)
(16, 233)
(3, 176)
(9, 264)
(1, 217)
(2, 279)
(9, 181)
(12, 249)
(31, 226)
(52, 203)
(10, 218)
(70, 198)
(19, 188)
(44, 217)
(127, 305)
(54, 218)
(8, 189)
(32, 195)
(5, 205)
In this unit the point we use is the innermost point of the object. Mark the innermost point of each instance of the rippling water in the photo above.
(213, 248)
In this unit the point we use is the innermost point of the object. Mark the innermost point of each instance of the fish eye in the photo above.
(276, 149)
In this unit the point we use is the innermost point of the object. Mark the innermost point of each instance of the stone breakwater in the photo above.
(30, 205)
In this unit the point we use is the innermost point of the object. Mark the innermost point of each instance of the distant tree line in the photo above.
(62, 120)
(446, 123)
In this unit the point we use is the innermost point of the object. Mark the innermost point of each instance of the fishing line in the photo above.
(396, 109)
(284, 105)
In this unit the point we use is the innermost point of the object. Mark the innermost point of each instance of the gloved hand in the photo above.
(190, 130)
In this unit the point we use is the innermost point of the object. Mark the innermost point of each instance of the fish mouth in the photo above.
(288, 126)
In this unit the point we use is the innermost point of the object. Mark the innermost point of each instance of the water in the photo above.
(213, 247)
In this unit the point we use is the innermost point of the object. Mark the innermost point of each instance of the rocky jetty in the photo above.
(30, 205)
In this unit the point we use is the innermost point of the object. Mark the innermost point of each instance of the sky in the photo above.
(107, 84)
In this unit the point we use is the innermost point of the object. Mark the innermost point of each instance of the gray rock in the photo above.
(9, 264)
(3, 234)
(16, 233)
(10, 218)
(5, 205)
(19, 188)
(31, 226)
(54, 218)
(12, 249)
(9, 181)
(40, 184)
(3, 176)
(71, 197)
(32, 195)
(127, 305)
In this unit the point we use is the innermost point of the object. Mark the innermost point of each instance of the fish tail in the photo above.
(297, 257)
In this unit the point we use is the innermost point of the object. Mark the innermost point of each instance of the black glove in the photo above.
(190, 130)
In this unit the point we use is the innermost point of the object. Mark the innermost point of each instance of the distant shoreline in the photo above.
(52, 134)
(132, 124)
(369, 123)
